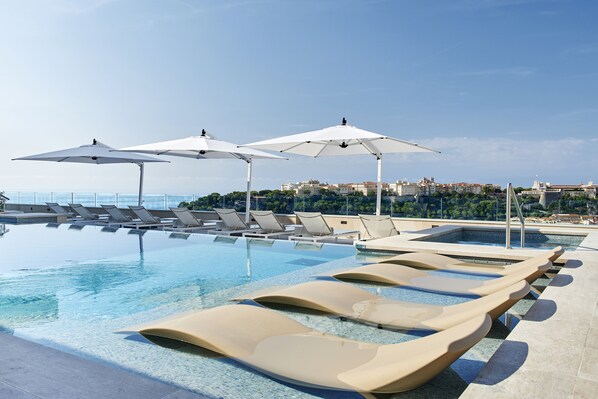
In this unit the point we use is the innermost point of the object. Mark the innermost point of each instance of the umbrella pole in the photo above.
(379, 187)
(141, 167)
(248, 198)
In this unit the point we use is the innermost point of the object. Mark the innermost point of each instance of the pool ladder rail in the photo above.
(512, 198)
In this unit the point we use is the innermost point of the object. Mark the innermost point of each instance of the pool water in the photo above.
(74, 288)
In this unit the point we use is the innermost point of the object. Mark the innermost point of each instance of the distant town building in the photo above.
(404, 189)
(425, 186)
(549, 193)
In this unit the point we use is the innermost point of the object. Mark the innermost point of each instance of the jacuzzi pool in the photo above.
(497, 237)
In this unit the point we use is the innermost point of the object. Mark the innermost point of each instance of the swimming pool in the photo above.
(73, 288)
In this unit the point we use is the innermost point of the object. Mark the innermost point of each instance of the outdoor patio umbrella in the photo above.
(206, 147)
(342, 140)
(95, 153)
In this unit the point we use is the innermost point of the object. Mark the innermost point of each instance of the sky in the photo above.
(507, 90)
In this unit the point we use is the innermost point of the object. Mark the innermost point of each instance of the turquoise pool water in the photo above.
(74, 288)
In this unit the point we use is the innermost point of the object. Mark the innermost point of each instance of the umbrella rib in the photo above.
(367, 147)
(319, 152)
(293, 146)
(412, 144)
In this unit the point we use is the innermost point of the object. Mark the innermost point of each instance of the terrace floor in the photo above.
(553, 351)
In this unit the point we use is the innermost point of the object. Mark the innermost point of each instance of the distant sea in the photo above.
(150, 201)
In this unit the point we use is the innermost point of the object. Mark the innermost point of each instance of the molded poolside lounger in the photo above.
(269, 224)
(233, 222)
(355, 303)
(378, 226)
(421, 260)
(285, 349)
(387, 273)
(316, 229)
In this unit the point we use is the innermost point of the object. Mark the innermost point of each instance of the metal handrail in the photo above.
(510, 195)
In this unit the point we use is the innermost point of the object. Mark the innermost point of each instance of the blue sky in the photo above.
(507, 90)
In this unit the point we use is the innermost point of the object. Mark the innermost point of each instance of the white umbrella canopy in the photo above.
(201, 147)
(95, 153)
(206, 147)
(339, 140)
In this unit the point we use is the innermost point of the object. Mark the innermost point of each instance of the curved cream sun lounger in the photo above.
(422, 260)
(387, 273)
(355, 303)
(274, 344)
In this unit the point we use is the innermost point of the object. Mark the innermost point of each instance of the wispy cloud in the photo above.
(585, 49)
(510, 71)
(507, 150)
(575, 113)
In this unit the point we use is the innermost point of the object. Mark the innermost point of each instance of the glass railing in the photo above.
(150, 201)
(488, 208)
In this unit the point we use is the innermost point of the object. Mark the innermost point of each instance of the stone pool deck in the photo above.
(553, 351)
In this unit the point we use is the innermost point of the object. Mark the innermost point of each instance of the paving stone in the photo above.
(585, 389)
(589, 365)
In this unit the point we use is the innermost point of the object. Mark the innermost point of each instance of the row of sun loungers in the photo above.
(312, 226)
(279, 346)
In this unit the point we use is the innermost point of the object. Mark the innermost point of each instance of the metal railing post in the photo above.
(508, 221)
(34, 198)
(347, 205)
(510, 195)
(441, 208)
(117, 205)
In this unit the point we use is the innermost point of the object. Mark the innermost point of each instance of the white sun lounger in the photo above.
(86, 215)
(281, 347)
(316, 229)
(378, 226)
(270, 226)
(233, 222)
(355, 303)
(387, 273)
(117, 216)
(59, 209)
(422, 260)
(186, 221)
(149, 220)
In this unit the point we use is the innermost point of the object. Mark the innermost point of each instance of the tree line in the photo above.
(485, 206)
